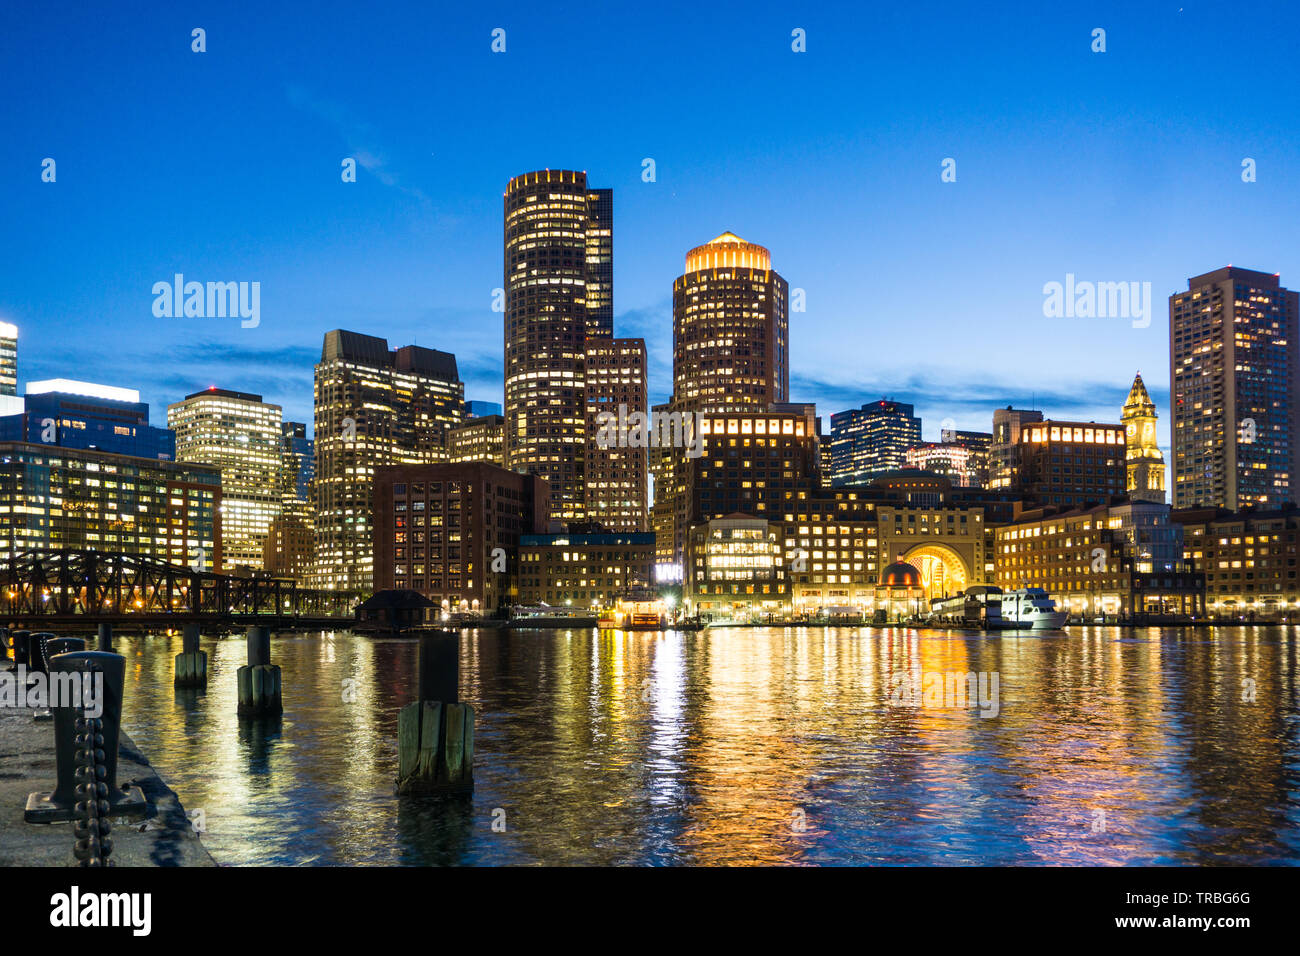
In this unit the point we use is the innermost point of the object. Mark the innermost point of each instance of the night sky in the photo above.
(225, 166)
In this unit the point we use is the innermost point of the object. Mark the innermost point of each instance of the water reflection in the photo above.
(750, 747)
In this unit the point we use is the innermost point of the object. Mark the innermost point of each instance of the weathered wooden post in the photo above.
(435, 734)
(4, 643)
(259, 682)
(105, 638)
(191, 663)
(98, 679)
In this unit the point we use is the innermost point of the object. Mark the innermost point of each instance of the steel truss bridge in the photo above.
(48, 587)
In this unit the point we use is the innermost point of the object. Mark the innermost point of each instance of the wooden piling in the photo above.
(435, 734)
(258, 683)
(191, 663)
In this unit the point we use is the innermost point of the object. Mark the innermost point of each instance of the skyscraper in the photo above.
(731, 329)
(373, 407)
(8, 358)
(731, 353)
(1233, 390)
(548, 217)
(563, 366)
(872, 439)
(1143, 459)
(615, 474)
(289, 548)
(240, 434)
(1004, 450)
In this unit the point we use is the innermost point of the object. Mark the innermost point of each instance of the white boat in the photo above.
(1031, 608)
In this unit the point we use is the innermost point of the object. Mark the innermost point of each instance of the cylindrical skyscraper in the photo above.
(546, 224)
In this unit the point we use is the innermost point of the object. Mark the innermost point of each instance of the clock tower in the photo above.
(1145, 463)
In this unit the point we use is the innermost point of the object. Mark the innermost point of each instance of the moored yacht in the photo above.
(1031, 608)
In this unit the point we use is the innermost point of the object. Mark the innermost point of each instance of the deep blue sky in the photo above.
(225, 166)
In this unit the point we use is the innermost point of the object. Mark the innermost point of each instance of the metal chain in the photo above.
(93, 844)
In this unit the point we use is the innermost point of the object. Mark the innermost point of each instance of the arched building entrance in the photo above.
(943, 571)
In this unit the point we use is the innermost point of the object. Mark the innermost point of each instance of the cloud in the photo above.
(360, 138)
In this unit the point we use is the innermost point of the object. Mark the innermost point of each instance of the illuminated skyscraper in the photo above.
(1234, 383)
(731, 329)
(616, 474)
(731, 353)
(872, 439)
(240, 434)
(549, 218)
(373, 407)
(8, 359)
(1145, 463)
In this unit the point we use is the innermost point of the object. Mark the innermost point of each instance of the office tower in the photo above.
(615, 471)
(870, 440)
(600, 262)
(1071, 464)
(548, 216)
(373, 407)
(298, 461)
(980, 445)
(1144, 461)
(437, 529)
(731, 352)
(84, 415)
(478, 439)
(731, 329)
(8, 359)
(952, 460)
(240, 434)
(83, 499)
(1233, 374)
(1004, 450)
(289, 549)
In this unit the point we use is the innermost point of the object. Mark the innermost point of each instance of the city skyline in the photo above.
(847, 193)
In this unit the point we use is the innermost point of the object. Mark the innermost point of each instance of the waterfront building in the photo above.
(85, 415)
(1249, 558)
(870, 440)
(480, 438)
(735, 569)
(373, 406)
(750, 462)
(900, 593)
(1071, 463)
(1143, 459)
(1004, 449)
(1234, 376)
(8, 359)
(584, 569)
(55, 498)
(452, 531)
(731, 329)
(1118, 558)
(242, 436)
(615, 477)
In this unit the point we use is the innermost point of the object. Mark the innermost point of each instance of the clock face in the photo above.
(1132, 430)
(1149, 432)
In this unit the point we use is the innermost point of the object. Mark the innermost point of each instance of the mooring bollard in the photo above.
(101, 677)
(105, 638)
(259, 682)
(4, 643)
(191, 663)
(38, 661)
(435, 734)
(49, 648)
(20, 641)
